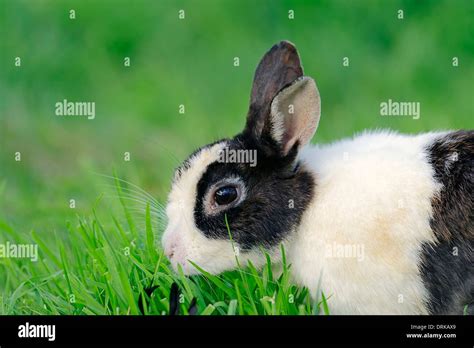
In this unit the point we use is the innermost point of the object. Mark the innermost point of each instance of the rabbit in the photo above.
(382, 222)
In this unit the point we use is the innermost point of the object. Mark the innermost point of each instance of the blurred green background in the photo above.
(191, 62)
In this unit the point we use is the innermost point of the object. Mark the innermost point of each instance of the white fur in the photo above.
(372, 191)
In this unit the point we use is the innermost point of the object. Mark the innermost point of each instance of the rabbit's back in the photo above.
(379, 216)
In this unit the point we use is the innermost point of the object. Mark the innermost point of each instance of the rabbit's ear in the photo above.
(284, 105)
(294, 115)
(279, 67)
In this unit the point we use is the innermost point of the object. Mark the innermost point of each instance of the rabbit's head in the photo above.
(254, 180)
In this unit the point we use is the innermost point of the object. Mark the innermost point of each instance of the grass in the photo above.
(95, 270)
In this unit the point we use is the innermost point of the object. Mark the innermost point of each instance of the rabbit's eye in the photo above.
(225, 195)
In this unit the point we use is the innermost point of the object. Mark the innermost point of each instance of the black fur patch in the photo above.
(278, 193)
(448, 266)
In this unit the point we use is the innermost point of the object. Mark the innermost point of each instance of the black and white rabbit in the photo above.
(385, 221)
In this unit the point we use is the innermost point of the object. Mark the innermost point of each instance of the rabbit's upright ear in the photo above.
(284, 106)
(294, 114)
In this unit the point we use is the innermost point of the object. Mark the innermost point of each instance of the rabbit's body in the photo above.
(382, 223)
(365, 230)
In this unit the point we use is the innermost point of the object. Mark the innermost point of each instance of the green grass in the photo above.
(97, 270)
